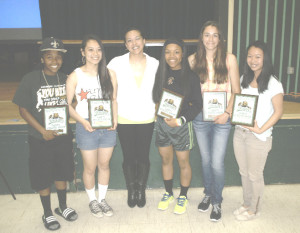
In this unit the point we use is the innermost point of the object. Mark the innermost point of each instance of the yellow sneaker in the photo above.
(180, 207)
(165, 201)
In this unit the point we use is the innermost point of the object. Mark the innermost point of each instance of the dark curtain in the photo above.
(159, 19)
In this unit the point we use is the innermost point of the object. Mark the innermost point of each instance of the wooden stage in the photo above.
(9, 113)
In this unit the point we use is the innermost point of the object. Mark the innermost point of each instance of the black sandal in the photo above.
(68, 214)
(51, 223)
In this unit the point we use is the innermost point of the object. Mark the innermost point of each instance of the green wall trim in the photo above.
(281, 54)
(248, 23)
(266, 21)
(281, 167)
(291, 46)
(274, 31)
(298, 62)
(239, 31)
(257, 19)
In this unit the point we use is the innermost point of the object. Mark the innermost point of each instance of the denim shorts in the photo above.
(100, 138)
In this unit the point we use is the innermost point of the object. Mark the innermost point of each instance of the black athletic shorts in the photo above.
(50, 161)
(181, 138)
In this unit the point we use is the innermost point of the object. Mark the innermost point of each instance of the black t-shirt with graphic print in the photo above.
(33, 94)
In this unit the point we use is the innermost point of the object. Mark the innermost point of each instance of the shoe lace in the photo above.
(165, 197)
(181, 201)
(95, 206)
(104, 205)
(206, 199)
(216, 209)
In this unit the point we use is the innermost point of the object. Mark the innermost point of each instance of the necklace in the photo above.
(46, 79)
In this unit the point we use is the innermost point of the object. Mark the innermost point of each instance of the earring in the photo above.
(83, 60)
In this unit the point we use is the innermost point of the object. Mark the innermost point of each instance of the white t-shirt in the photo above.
(87, 88)
(264, 105)
(135, 102)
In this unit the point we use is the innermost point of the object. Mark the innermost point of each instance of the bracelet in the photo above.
(227, 113)
(179, 122)
(183, 120)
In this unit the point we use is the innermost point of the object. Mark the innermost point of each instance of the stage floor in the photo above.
(9, 114)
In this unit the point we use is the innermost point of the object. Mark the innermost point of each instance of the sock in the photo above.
(102, 190)
(169, 186)
(183, 191)
(46, 205)
(91, 194)
(62, 199)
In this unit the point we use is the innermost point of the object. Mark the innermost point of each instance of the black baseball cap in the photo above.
(51, 43)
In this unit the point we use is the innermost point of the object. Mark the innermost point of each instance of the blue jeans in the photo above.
(212, 140)
(100, 138)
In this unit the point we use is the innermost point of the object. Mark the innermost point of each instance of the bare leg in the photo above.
(167, 156)
(89, 158)
(185, 167)
(104, 156)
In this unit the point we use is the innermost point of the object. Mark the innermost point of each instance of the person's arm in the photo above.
(194, 99)
(233, 73)
(114, 99)
(70, 87)
(27, 116)
(277, 102)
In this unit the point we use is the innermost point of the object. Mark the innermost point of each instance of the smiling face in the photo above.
(134, 42)
(255, 60)
(92, 52)
(52, 61)
(210, 38)
(173, 56)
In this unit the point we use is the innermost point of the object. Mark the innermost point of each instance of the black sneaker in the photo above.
(204, 204)
(96, 209)
(216, 213)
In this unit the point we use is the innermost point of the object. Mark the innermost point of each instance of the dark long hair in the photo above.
(267, 70)
(163, 68)
(105, 80)
(200, 67)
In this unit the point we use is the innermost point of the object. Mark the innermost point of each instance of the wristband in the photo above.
(183, 120)
(179, 122)
(227, 113)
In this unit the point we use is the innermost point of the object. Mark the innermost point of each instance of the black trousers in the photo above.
(135, 140)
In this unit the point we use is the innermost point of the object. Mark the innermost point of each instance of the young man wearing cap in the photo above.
(51, 153)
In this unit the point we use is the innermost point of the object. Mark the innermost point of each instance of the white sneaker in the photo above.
(246, 216)
(240, 210)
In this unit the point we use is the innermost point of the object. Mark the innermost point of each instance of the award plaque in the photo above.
(170, 104)
(56, 118)
(214, 104)
(100, 113)
(244, 109)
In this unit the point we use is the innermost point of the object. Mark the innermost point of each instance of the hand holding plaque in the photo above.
(214, 104)
(55, 118)
(100, 113)
(170, 104)
(244, 109)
